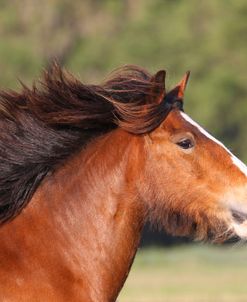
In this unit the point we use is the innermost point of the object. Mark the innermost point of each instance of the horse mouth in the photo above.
(239, 223)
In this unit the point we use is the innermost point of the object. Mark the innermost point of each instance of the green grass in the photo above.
(191, 273)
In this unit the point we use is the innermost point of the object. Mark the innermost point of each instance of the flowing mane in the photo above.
(77, 239)
(43, 125)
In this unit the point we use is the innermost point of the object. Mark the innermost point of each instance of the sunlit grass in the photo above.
(186, 274)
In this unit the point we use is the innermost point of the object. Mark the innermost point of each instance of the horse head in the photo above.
(192, 184)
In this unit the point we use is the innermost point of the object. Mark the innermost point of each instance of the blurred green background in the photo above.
(90, 38)
(191, 273)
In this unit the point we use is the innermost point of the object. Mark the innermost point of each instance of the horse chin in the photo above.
(200, 227)
(216, 232)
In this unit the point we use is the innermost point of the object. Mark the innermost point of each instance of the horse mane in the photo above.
(40, 127)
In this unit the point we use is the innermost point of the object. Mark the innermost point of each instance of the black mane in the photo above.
(42, 126)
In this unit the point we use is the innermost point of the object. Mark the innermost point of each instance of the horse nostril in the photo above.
(238, 216)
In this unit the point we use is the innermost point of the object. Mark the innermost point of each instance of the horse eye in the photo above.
(185, 143)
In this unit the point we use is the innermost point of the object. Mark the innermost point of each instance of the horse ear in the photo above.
(182, 84)
(158, 90)
(178, 91)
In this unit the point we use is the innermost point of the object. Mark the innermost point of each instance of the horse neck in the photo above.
(89, 219)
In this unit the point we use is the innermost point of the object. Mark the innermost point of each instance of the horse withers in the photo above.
(83, 167)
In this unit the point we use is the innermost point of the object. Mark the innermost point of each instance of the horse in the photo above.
(84, 167)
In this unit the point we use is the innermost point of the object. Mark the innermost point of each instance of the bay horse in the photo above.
(83, 167)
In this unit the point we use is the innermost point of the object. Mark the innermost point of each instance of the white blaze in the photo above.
(242, 167)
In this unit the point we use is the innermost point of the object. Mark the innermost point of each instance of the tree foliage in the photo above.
(92, 37)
